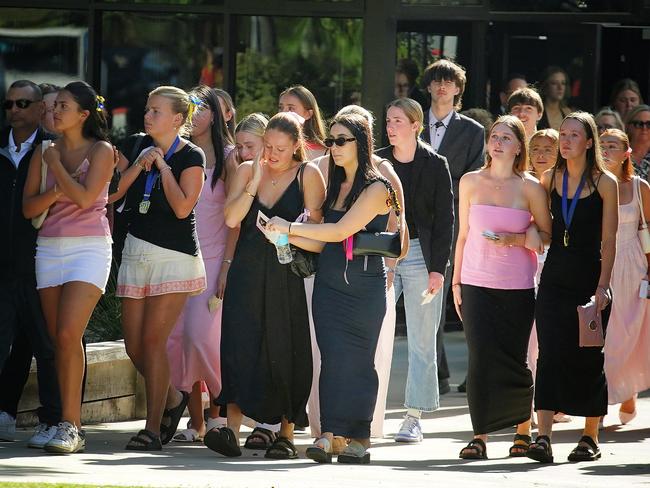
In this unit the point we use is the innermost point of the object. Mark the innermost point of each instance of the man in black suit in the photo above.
(22, 327)
(459, 139)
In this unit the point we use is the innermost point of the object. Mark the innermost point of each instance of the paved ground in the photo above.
(626, 455)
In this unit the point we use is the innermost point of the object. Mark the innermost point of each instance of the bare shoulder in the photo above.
(607, 181)
(102, 150)
(245, 168)
(312, 169)
(471, 178)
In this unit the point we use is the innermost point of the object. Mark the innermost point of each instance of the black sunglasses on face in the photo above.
(640, 124)
(20, 103)
(339, 141)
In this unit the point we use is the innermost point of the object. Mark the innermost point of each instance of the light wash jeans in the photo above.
(412, 277)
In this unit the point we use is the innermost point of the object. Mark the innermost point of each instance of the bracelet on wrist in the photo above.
(289, 230)
(165, 168)
(249, 193)
(455, 284)
(227, 261)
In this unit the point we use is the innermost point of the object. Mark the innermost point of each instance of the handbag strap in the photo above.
(44, 146)
(639, 199)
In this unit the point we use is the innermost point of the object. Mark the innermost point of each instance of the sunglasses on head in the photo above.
(339, 141)
(20, 103)
(640, 124)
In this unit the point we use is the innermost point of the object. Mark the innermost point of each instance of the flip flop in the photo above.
(321, 451)
(541, 450)
(354, 453)
(224, 441)
(187, 435)
(519, 449)
(145, 440)
(282, 448)
(590, 452)
(476, 448)
(167, 431)
(260, 439)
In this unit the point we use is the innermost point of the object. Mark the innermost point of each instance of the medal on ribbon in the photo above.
(152, 176)
(568, 211)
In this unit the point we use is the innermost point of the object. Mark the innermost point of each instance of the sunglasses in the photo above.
(640, 124)
(339, 141)
(20, 103)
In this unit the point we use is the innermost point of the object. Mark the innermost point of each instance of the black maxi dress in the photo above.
(266, 363)
(347, 319)
(570, 378)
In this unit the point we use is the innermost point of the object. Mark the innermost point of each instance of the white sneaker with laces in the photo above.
(42, 435)
(410, 430)
(7, 427)
(66, 440)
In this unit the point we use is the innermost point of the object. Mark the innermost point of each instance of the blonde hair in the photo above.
(606, 111)
(254, 123)
(551, 134)
(181, 104)
(288, 124)
(520, 164)
(412, 110)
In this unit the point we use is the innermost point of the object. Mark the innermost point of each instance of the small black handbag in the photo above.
(385, 244)
(304, 262)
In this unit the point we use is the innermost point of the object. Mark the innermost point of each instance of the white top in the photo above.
(438, 133)
(18, 152)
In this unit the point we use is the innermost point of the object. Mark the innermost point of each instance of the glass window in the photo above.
(323, 54)
(444, 3)
(45, 46)
(563, 5)
(141, 51)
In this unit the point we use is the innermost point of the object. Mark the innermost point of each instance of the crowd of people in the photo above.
(260, 261)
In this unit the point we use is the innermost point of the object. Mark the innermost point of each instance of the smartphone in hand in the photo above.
(488, 234)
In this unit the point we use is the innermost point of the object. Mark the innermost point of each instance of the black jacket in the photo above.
(430, 201)
(18, 242)
(463, 145)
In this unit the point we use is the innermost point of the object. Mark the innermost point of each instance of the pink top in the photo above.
(67, 219)
(491, 266)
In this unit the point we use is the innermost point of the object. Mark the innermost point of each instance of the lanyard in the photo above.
(152, 176)
(567, 212)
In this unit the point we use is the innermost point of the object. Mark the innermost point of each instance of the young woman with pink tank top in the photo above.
(73, 253)
(504, 220)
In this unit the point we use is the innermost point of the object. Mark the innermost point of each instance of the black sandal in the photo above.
(260, 439)
(590, 452)
(520, 445)
(282, 448)
(167, 431)
(145, 440)
(477, 450)
(224, 441)
(541, 450)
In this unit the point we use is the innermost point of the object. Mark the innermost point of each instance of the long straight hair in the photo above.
(217, 129)
(366, 171)
(594, 156)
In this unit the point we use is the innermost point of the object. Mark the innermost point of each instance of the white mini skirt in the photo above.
(149, 270)
(61, 260)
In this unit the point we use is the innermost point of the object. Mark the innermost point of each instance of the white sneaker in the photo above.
(42, 435)
(7, 427)
(410, 430)
(66, 440)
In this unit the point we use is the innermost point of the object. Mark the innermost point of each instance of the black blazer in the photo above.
(431, 203)
(463, 145)
(18, 243)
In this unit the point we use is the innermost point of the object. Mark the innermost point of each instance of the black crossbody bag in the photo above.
(385, 244)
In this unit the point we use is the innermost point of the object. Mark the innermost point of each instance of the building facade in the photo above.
(345, 51)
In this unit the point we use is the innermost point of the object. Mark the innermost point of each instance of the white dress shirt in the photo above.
(18, 151)
(437, 128)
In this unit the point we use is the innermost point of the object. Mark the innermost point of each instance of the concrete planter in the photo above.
(114, 389)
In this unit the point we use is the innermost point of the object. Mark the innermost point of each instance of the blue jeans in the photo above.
(412, 277)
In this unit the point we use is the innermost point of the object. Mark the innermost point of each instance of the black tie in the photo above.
(438, 124)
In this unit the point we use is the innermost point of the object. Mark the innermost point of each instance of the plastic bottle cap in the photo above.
(283, 240)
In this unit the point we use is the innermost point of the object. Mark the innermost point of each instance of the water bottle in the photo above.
(284, 249)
